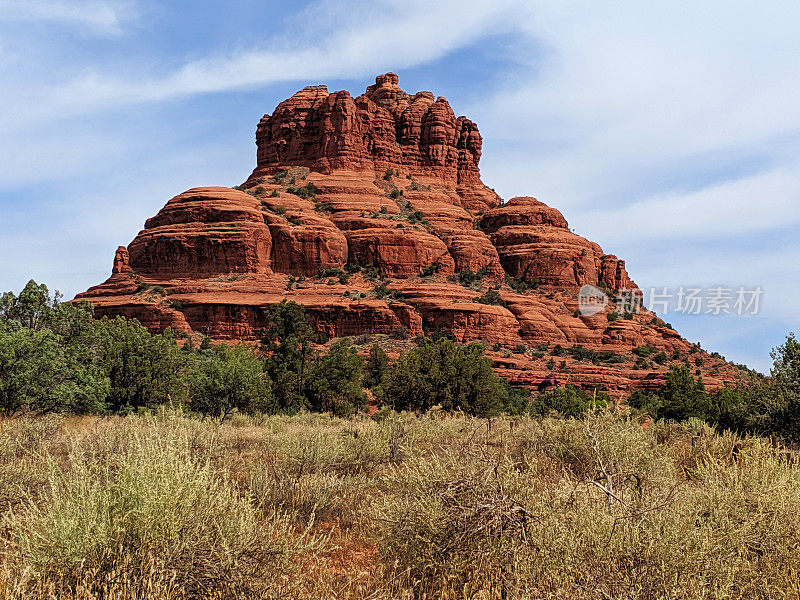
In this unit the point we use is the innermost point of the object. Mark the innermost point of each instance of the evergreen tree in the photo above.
(682, 396)
(334, 381)
(224, 378)
(288, 343)
(144, 370)
(376, 368)
(33, 308)
(40, 374)
(785, 388)
(442, 373)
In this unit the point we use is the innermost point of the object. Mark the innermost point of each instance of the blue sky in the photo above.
(669, 134)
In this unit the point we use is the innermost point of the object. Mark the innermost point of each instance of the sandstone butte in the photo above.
(388, 181)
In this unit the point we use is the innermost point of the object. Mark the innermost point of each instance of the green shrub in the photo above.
(308, 191)
(144, 370)
(280, 177)
(568, 402)
(765, 406)
(417, 217)
(522, 284)
(661, 358)
(430, 270)
(644, 351)
(490, 297)
(224, 378)
(376, 367)
(340, 275)
(680, 398)
(441, 372)
(352, 267)
(582, 354)
(468, 278)
(382, 291)
(287, 340)
(785, 374)
(40, 373)
(334, 381)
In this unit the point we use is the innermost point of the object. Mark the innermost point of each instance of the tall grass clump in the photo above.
(22, 472)
(147, 521)
(325, 467)
(455, 533)
(593, 509)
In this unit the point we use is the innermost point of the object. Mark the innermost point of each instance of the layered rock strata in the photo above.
(371, 213)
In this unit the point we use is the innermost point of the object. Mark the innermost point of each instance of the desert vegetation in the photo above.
(135, 465)
(396, 506)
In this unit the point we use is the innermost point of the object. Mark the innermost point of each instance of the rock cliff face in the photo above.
(371, 213)
(384, 126)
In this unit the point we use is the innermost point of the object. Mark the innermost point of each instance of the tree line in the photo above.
(758, 405)
(56, 356)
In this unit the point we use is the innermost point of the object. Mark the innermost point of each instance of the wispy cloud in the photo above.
(760, 203)
(104, 17)
(399, 35)
(669, 133)
(636, 97)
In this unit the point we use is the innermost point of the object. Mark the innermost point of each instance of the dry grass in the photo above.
(170, 507)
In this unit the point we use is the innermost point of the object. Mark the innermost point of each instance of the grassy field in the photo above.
(169, 506)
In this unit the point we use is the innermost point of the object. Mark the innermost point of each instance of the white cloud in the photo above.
(629, 90)
(338, 39)
(99, 16)
(759, 203)
(769, 267)
(666, 132)
(67, 235)
(393, 35)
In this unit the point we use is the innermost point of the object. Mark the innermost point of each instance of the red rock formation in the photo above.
(383, 127)
(387, 183)
(122, 261)
(204, 232)
(534, 242)
(399, 252)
